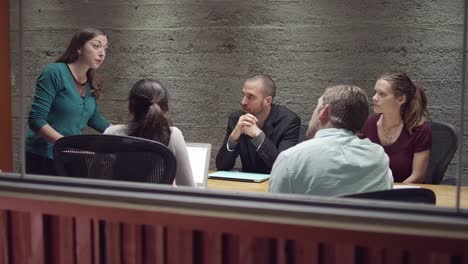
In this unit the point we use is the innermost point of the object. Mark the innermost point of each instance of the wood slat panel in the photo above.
(149, 244)
(92, 235)
(345, 254)
(337, 253)
(416, 257)
(256, 250)
(247, 250)
(236, 226)
(37, 237)
(153, 237)
(281, 253)
(211, 244)
(132, 247)
(215, 247)
(305, 252)
(21, 238)
(327, 253)
(393, 256)
(230, 244)
(464, 259)
(97, 250)
(370, 255)
(62, 244)
(179, 245)
(84, 240)
(113, 241)
(438, 258)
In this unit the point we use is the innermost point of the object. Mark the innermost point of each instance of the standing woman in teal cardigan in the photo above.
(64, 102)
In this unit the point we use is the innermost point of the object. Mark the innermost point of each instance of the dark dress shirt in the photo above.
(281, 129)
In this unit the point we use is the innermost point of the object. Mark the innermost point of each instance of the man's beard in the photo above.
(255, 113)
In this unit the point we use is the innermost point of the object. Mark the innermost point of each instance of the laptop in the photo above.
(199, 156)
(239, 176)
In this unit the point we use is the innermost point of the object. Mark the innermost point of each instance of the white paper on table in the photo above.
(405, 186)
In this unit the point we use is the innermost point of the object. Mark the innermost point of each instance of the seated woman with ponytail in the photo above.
(148, 107)
(399, 126)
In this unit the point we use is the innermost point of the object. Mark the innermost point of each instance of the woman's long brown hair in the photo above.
(148, 104)
(71, 54)
(414, 110)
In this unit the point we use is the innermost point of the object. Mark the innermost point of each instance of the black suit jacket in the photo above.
(281, 130)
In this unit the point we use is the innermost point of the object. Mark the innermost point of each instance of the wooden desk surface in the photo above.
(446, 194)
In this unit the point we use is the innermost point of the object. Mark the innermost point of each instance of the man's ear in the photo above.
(269, 100)
(324, 113)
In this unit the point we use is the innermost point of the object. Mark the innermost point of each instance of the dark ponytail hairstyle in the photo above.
(414, 110)
(148, 104)
(71, 54)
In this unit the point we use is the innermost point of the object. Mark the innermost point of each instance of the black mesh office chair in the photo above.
(410, 195)
(444, 146)
(113, 157)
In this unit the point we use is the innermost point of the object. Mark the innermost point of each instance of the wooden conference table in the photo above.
(446, 194)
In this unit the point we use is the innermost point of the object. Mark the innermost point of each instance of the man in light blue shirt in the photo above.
(334, 161)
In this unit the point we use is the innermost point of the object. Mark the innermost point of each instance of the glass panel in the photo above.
(203, 51)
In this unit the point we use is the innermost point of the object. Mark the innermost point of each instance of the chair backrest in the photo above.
(303, 132)
(444, 146)
(411, 195)
(114, 157)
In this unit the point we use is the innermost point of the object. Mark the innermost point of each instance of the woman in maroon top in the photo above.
(399, 126)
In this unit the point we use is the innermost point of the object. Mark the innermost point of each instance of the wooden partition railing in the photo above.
(71, 221)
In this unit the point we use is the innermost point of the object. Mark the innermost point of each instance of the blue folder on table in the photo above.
(239, 176)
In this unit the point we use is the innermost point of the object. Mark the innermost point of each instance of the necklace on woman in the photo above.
(78, 83)
(80, 87)
(390, 134)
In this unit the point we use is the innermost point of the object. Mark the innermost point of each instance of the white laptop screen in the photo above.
(199, 155)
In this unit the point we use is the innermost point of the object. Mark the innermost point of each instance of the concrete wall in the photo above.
(203, 50)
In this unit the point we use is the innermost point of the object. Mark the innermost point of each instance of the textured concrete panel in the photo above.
(240, 14)
(361, 39)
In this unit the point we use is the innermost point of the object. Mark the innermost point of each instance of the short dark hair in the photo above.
(269, 86)
(348, 106)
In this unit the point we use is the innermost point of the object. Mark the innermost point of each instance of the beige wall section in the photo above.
(6, 154)
(203, 50)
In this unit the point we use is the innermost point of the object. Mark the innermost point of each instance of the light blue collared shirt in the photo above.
(335, 162)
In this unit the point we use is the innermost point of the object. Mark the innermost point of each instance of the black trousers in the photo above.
(37, 164)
